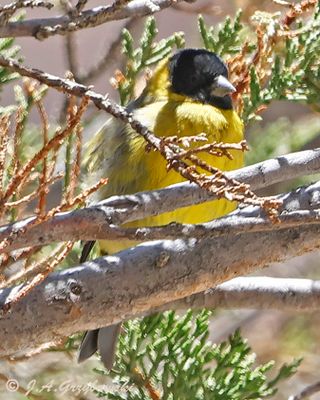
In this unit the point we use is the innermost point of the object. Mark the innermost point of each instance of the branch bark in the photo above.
(219, 183)
(147, 277)
(98, 221)
(262, 292)
(265, 174)
(42, 28)
(7, 11)
(132, 282)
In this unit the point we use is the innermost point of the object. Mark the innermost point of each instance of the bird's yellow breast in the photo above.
(130, 169)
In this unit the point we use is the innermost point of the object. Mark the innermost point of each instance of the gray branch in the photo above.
(42, 28)
(7, 11)
(147, 277)
(137, 280)
(285, 294)
(98, 221)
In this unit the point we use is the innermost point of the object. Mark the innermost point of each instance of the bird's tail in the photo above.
(104, 340)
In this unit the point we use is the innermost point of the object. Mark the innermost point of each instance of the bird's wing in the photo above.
(119, 153)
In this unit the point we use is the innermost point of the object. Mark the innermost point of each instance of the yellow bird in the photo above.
(188, 94)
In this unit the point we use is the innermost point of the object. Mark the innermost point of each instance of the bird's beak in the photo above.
(221, 87)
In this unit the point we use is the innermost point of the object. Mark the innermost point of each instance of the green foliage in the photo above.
(8, 49)
(295, 73)
(172, 356)
(225, 39)
(167, 353)
(148, 53)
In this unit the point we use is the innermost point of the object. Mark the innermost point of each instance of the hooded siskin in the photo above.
(187, 95)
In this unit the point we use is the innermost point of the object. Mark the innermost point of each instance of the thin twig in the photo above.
(21, 229)
(44, 268)
(24, 4)
(296, 10)
(20, 119)
(153, 392)
(21, 175)
(217, 149)
(71, 108)
(7, 11)
(80, 5)
(24, 254)
(43, 28)
(16, 156)
(219, 184)
(4, 139)
(27, 198)
(76, 166)
(56, 141)
(43, 182)
(98, 221)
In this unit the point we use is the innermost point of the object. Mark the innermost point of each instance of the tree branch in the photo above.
(42, 28)
(137, 280)
(262, 292)
(7, 11)
(219, 183)
(265, 174)
(98, 221)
